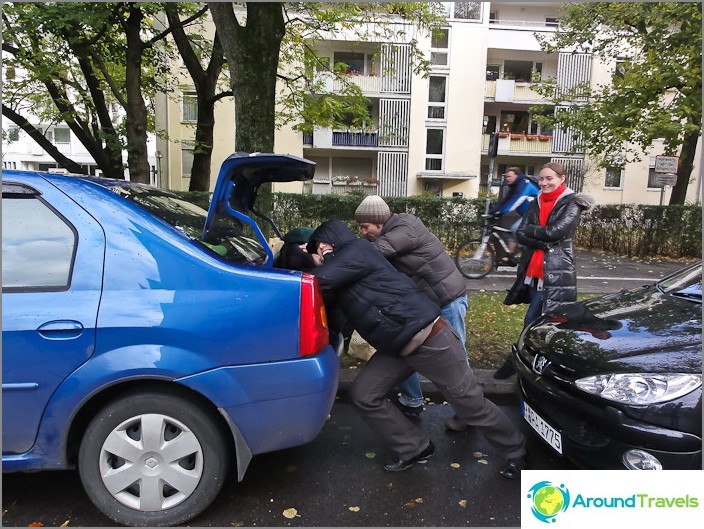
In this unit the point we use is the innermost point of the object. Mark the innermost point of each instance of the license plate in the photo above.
(540, 425)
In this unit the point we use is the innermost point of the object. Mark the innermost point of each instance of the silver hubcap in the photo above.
(151, 462)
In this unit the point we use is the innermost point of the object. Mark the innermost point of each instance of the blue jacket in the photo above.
(521, 193)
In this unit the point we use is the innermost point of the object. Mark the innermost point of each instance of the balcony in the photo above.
(508, 90)
(520, 143)
(326, 138)
(368, 84)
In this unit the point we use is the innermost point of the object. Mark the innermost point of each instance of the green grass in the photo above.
(491, 329)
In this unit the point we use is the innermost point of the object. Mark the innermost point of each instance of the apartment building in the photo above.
(429, 134)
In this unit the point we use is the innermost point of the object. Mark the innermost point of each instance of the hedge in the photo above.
(630, 230)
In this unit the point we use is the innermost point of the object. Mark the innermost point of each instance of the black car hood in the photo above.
(624, 332)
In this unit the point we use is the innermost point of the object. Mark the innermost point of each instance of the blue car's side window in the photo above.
(38, 246)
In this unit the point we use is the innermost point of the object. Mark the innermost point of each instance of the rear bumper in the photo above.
(274, 405)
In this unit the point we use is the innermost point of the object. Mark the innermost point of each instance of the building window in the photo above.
(434, 146)
(437, 97)
(13, 134)
(467, 10)
(613, 177)
(652, 176)
(189, 107)
(62, 135)
(186, 160)
(521, 71)
(552, 22)
(620, 69)
(492, 72)
(438, 47)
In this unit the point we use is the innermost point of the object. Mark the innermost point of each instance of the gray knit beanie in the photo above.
(372, 210)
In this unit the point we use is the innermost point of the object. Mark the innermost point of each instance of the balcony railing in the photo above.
(355, 139)
(525, 23)
(366, 83)
(521, 92)
(521, 143)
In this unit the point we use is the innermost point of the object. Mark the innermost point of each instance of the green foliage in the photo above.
(643, 231)
(657, 92)
(628, 229)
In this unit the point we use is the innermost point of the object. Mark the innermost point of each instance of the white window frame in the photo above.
(620, 178)
(56, 141)
(191, 98)
(450, 10)
(442, 51)
(437, 104)
(434, 156)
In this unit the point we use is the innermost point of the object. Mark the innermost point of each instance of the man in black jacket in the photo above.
(408, 333)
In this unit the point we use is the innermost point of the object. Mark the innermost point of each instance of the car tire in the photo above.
(153, 459)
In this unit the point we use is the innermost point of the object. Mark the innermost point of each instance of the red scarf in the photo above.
(546, 202)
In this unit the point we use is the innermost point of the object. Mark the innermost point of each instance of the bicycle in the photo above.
(479, 256)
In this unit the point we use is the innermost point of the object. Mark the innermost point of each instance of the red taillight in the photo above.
(314, 321)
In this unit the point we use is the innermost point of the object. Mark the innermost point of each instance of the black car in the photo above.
(615, 382)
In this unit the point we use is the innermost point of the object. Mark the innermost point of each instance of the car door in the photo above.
(52, 261)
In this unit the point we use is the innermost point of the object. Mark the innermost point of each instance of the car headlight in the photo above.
(640, 388)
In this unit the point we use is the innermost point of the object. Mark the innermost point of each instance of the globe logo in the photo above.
(548, 500)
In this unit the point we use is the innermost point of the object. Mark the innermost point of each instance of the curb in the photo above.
(490, 386)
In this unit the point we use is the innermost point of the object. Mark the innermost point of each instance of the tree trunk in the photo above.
(684, 171)
(44, 143)
(136, 110)
(203, 151)
(252, 53)
(205, 82)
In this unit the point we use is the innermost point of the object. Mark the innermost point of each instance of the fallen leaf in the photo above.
(463, 503)
(418, 500)
(455, 465)
(65, 524)
(290, 513)
(354, 509)
(410, 504)
(370, 455)
(483, 461)
(478, 454)
(36, 524)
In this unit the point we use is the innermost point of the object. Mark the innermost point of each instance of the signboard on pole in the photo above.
(665, 179)
(666, 164)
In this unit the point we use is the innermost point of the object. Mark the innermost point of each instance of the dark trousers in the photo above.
(443, 360)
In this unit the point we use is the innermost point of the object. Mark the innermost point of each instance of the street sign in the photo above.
(666, 164)
(665, 179)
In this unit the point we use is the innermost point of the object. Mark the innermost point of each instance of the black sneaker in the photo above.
(398, 464)
(512, 468)
(411, 411)
(505, 370)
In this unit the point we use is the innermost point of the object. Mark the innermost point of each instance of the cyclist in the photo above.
(521, 191)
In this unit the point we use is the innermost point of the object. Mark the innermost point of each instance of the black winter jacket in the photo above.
(555, 239)
(415, 251)
(381, 303)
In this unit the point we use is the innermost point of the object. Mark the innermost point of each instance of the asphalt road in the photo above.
(335, 481)
(596, 274)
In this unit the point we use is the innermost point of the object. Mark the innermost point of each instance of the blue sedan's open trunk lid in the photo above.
(238, 183)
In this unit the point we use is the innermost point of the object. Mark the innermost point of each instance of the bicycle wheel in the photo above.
(472, 261)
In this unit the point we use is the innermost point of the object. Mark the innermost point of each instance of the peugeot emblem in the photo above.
(540, 363)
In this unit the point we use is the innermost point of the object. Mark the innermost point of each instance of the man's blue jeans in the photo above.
(454, 312)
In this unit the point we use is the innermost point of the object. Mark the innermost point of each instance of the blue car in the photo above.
(152, 344)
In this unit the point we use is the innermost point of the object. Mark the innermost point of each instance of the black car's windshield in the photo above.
(231, 238)
(687, 283)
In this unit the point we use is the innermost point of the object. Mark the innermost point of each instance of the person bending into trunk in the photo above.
(409, 335)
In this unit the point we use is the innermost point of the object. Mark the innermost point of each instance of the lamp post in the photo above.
(158, 168)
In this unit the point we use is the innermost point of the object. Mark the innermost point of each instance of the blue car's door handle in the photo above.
(61, 329)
